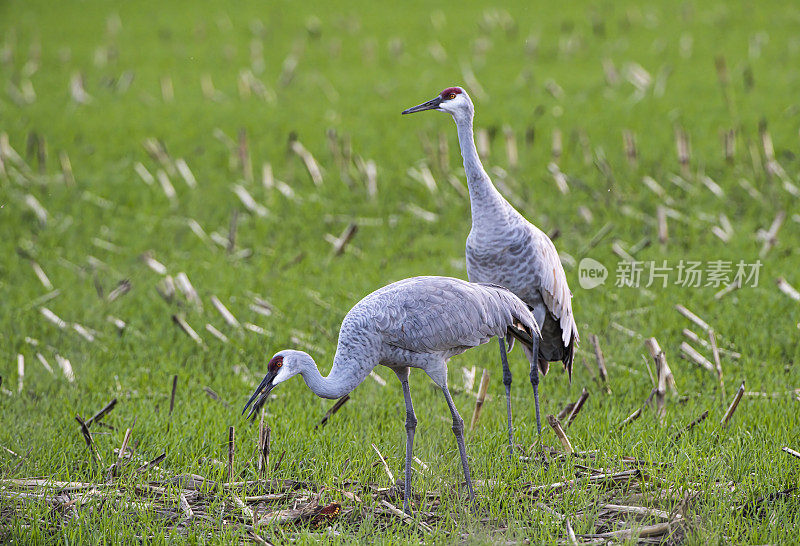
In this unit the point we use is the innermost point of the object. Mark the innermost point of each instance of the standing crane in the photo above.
(503, 248)
(419, 322)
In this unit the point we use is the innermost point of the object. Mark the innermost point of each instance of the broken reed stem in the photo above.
(691, 425)
(566, 410)
(66, 368)
(729, 145)
(405, 518)
(385, 466)
(345, 238)
(279, 461)
(17, 455)
(682, 146)
(732, 408)
(231, 449)
(577, 407)
(771, 236)
(185, 507)
(172, 395)
(791, 452)
(66, 168)
(246, 510)
(604, 478)
(557, 147)
(691, 336)
(336, 407)
(20, 373)
(601, 361)
(694, 318)
(629, 140)
(188, 290)
(214, 396)
(87, 436)
(638, 413)
(188, 330)
(690, 353)
(661, 387)
(121, 455)
(589, 369)
(259, 451)
(484, 386)
(599, 236)
(562, 436)
(152, 463)
(310, 163)
(102, 413)
(511, 146)
(712, 339)
(571, 538)
(264, 435)
(232, 230)
(656, 530)
(656, 353)
(663, 229)
(787, 289)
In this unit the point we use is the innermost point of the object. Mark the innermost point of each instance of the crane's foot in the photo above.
(472, 506)
(398, 491)
(511, 450)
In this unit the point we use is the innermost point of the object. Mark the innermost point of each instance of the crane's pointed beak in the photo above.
(432, 104)
(260, 395)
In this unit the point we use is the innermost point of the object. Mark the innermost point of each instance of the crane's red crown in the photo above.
(275, 363)
(449, 90)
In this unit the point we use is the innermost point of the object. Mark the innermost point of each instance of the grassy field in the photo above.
(99, 104)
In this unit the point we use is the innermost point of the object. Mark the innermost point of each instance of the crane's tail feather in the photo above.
(520, 332)
(530, 345)
(569, 357)
(544, 365)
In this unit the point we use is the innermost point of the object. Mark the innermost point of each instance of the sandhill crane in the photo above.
(414, 323)
(504, 248)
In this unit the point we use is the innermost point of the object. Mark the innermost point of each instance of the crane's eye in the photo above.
(451, 96)
(275, 363)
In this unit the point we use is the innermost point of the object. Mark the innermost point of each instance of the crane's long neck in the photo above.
(485, 200)
(348, 371)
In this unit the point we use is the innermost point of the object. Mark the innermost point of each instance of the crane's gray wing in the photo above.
(555, 293)
(523, 259)
(441, 314)
(554, 289)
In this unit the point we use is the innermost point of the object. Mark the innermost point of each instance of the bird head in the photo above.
(453, 100)
(284, 365)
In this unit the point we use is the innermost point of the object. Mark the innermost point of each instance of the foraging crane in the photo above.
(503, 248)
(419, 322)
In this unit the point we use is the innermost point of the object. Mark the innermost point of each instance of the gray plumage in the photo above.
(419, 322)
(523, 259)
(505, 249)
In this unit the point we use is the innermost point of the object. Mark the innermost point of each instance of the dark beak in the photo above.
(430, 105)
(260, 396)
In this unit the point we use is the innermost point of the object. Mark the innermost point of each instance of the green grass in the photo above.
(358, 66)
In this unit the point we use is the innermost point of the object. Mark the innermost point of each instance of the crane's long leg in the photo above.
(411, 427)
(458, 430)
(535, 383)
(507, 383)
